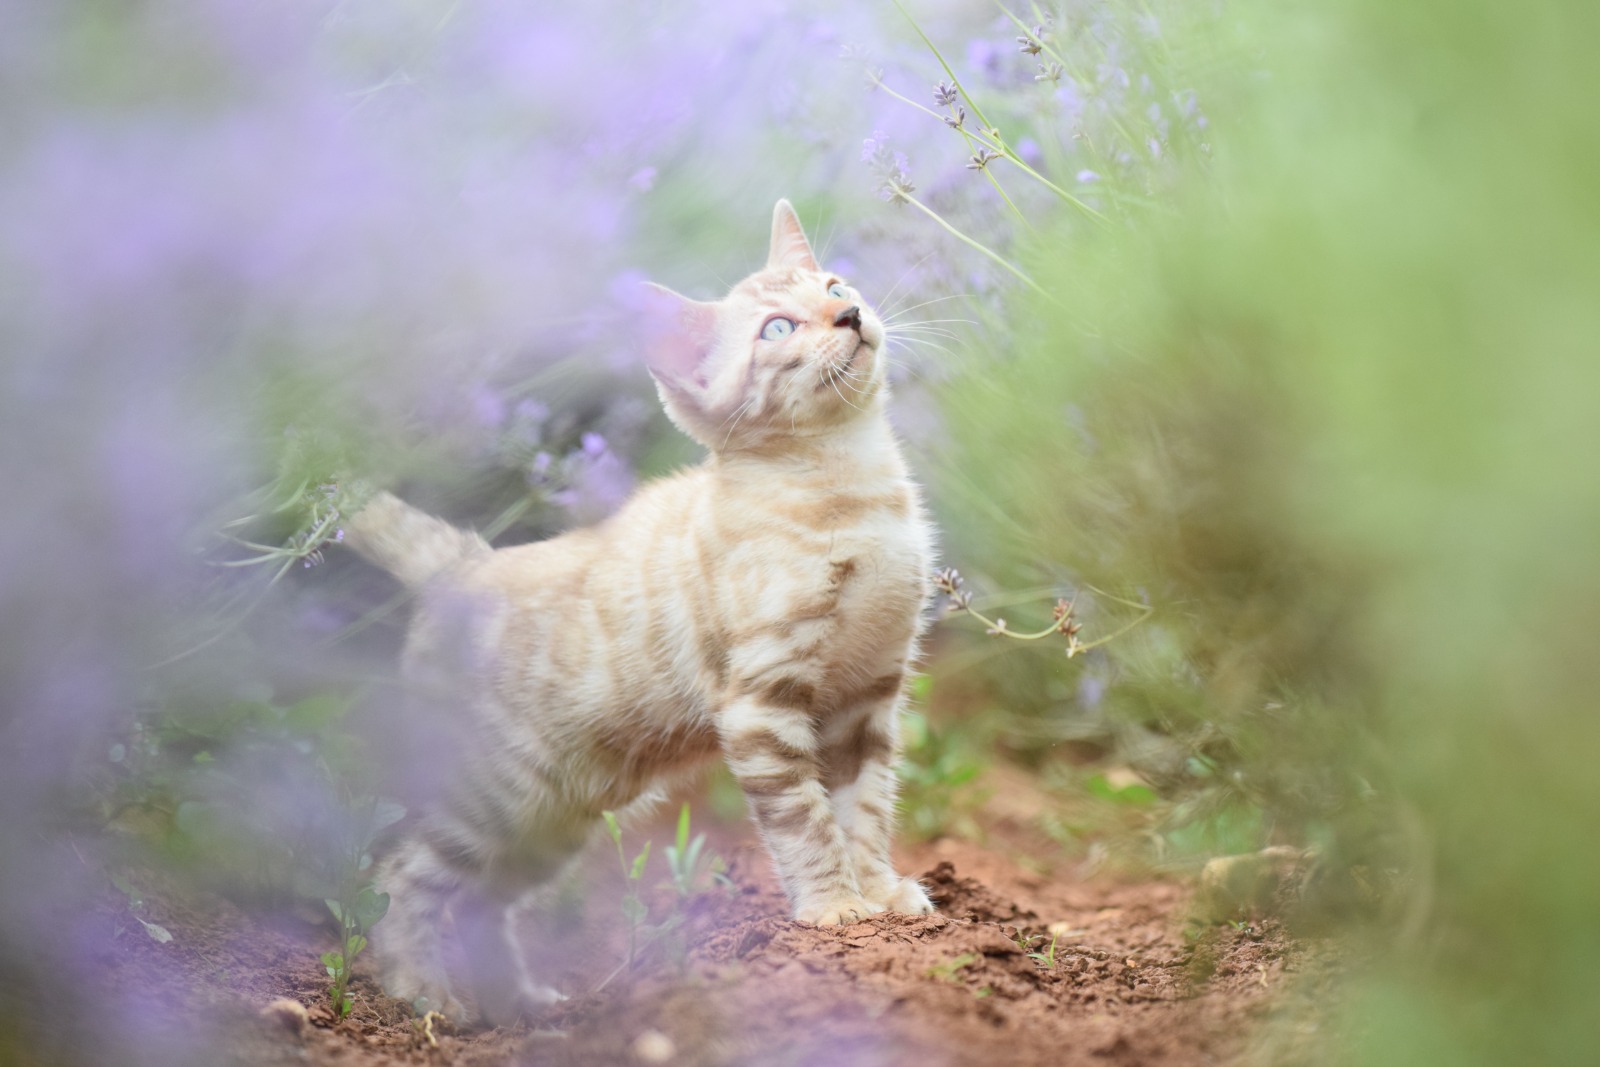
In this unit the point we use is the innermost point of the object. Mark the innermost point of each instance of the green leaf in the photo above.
(157, 933)
(370, 907)
(611, 826)
(354, 946)
(692, 860)
(135, 899)
(947, 970)
(962, 774)
(914, 728)
(334, 961)
(1135, 795)
(633, 910)
(638, 863)
(683, 827)
(314, 715)
(333, 906)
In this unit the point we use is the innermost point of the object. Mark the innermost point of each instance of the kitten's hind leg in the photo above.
(503, 989)
(407, 943)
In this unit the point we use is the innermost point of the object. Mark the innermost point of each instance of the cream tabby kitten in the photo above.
(763, 607)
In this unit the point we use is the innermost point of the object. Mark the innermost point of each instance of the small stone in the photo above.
(653, 1046)
(289, 1014)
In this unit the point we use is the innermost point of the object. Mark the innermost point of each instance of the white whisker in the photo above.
(923, 339)
(931, 322)
(834, 382)
(939, 331)
(901, 280)
(906, 311)
(910, 350)
(738, 414)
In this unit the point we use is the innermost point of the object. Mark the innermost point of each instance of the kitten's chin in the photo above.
(864, 361)
(863, 353)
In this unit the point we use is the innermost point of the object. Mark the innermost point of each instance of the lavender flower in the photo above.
(889, 166)
(982, 159)
(945, 95)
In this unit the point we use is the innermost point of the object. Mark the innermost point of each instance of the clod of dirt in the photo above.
(1247, 884)
(653, 1046)
(967, 898)
(289, 1014)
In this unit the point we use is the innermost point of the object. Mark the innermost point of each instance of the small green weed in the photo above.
(949, 969)
(356, 906)
(634, 910)
(1048, 956)
(355, 916)
(690, 865)
(157, 932)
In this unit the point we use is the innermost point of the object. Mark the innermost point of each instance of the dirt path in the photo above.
(737, 983)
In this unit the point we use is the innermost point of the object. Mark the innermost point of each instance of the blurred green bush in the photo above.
(1335, 416)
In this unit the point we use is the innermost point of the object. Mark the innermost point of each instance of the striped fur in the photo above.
(763, 607)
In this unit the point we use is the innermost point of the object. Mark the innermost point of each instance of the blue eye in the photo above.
(837, 290)
(776, 329)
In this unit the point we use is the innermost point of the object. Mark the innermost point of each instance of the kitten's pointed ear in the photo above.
(789, 245)
(679, 334)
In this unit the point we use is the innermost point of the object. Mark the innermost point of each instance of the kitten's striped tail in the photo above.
(410, 544)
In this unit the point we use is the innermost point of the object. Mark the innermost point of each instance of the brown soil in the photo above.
(738, 983)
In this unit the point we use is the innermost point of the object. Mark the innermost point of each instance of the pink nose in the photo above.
(850, 316)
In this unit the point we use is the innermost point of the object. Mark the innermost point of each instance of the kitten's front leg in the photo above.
(863, 786)
(772, 750)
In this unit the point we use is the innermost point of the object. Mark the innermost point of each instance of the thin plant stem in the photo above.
(995, 144)
(976, 110)
(936, 217)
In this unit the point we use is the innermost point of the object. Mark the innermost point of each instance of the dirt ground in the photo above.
(737, 982)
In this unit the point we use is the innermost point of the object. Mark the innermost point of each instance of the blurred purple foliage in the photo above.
(242, 237)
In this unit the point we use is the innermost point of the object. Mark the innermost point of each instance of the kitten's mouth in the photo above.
(842, 368)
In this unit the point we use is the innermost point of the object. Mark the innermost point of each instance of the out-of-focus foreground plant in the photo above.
(256, 254)
(1331, 411)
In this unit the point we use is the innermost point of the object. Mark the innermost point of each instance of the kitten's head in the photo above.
(792, 351)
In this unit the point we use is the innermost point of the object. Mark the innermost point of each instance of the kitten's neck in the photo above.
(851, 456)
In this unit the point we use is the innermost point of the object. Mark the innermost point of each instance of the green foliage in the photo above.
(950, 970)
(634, 909)
(267, 800)
(936, 775)
(355, 914)
(158, 933)
(303, 829)
(1048, 955)
(690, 865)
(1332, 414)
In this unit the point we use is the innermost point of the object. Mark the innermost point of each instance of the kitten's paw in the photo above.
(527, 1001)
(906, 896)
(427, 992)
(839, 912)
